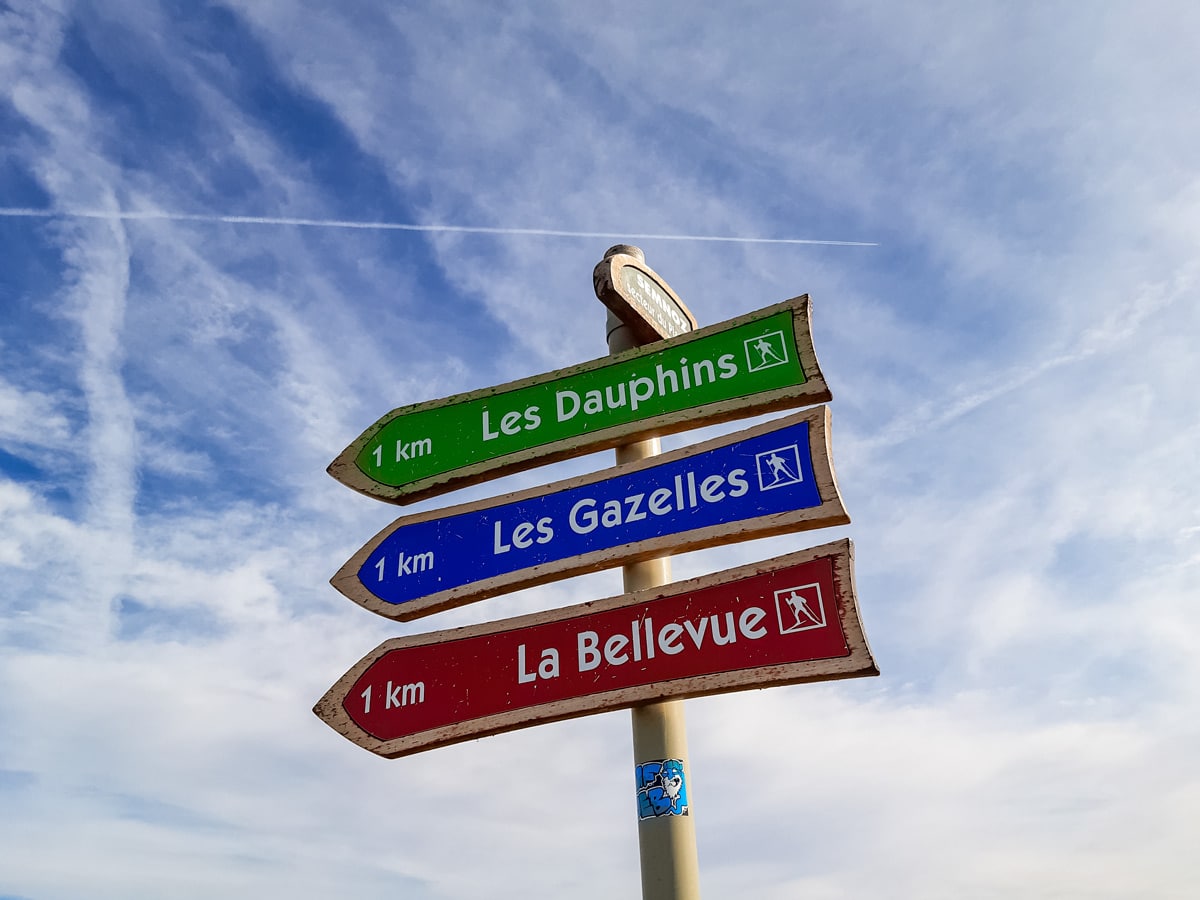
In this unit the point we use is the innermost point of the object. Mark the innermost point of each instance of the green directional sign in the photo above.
(756, 363)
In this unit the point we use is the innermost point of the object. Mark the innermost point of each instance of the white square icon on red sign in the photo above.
(800, 608)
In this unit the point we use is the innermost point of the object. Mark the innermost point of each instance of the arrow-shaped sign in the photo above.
(757, 363)
(770, 479)
(787, 620)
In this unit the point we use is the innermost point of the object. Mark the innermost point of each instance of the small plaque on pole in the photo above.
(639, 297)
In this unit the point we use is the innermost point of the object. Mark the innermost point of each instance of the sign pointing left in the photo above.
(783, 621)
(774, 478)
(761, 362)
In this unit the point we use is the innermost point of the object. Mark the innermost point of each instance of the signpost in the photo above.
(783, 621)
(770, 479)
(757, 363)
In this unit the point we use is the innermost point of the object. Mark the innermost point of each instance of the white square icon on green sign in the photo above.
(766, 351)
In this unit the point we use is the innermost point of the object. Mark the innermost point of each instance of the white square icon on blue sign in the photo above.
(779, 467)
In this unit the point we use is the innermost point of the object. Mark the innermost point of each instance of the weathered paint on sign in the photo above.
(641, 299)
(773, 478)
(783, 621)
(757, 363)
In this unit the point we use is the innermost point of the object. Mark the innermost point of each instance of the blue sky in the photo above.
(1012, 358)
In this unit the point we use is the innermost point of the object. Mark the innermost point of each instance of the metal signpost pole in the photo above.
(666, 830)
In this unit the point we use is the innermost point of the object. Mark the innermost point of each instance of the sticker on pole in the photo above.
(661, 788)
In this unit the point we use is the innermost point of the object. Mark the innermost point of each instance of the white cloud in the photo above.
(31, 419)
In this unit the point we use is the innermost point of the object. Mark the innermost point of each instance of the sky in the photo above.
(236, 234)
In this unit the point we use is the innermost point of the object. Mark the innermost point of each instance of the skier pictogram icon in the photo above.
(800, 608)
(779, 467)
(766, 351)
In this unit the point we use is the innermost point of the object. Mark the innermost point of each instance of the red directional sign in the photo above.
(787, 620)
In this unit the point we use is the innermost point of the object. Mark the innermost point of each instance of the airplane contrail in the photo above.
(21, 212)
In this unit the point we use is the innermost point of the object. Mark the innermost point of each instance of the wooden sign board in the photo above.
(757, 363)
(774, 478)
(783, 621)
(639, 297)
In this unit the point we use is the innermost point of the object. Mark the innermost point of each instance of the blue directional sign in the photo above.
(770, 479)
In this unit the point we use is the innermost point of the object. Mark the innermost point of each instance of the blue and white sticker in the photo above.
(661, 789)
